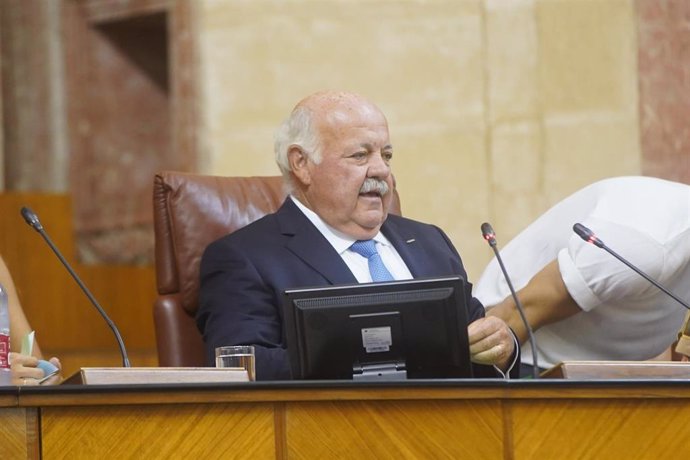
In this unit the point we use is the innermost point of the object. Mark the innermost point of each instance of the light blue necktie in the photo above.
(367, 248)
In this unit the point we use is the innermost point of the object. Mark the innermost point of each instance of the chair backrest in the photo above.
(191, 211)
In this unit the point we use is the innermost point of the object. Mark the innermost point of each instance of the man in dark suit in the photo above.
(335, 154)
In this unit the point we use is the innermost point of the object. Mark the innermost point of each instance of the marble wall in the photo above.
(497, 109)
(664, 73)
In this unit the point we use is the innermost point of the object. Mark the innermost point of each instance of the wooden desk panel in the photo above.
(394, 429)
(600, 428)
(159, 431)
(19, 433)
(441, 419)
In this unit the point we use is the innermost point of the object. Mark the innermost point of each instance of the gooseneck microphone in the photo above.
(490, 237)
(32, 219)
(589, 236)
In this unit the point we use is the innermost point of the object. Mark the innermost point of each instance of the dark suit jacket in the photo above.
(244, 275)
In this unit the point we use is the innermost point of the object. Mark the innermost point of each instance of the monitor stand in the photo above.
(379, 371)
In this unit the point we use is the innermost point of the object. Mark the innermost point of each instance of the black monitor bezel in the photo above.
(456, 361)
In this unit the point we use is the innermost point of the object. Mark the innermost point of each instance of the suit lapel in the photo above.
(405, 242)
(311, 246)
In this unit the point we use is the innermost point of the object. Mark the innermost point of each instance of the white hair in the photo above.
(297, 130)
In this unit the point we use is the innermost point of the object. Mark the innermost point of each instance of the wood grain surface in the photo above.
(299, 420)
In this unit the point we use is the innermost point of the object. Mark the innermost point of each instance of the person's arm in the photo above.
(24, 370)
(19, 326)
(236, 307)
(544, 299)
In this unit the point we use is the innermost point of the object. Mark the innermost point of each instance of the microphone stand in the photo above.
(32, 219)
(490, 236)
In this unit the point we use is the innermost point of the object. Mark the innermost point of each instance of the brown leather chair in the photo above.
(190, 211)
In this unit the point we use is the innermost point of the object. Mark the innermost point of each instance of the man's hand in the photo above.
(491, 342)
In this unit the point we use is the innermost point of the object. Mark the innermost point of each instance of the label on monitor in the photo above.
(377, 339)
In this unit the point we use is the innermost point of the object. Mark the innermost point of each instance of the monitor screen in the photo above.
(399, 329)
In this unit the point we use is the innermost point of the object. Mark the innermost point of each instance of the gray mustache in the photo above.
(374, 185)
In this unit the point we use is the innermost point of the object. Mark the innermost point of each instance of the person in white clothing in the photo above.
(583, 303)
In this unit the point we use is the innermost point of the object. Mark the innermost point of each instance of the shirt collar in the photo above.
(340, 241)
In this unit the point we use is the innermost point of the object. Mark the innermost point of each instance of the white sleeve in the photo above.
(594, 277)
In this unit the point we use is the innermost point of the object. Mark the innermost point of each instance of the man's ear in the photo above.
(299, 164)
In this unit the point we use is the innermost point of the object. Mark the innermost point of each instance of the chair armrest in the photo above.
(178, 340)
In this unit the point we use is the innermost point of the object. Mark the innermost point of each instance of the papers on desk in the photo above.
(28, 343)
(156, 375)
(49, 369)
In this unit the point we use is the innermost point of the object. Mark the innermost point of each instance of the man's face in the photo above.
(355, 148)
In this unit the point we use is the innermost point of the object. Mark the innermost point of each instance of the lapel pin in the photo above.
(410, 241)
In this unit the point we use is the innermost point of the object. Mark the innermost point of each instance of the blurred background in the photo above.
(497, 110)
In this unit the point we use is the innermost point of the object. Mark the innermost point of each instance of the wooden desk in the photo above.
(427, 419)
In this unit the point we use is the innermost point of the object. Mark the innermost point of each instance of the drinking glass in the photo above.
(241, 356)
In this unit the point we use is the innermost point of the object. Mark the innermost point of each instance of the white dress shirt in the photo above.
(358, 265)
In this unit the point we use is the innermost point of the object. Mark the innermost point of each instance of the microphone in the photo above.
(32, 219)
(490, 237)
(589, 236)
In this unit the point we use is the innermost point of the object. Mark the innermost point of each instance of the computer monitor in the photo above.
(393, 330)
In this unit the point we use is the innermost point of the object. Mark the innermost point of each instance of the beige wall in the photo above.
(497, 108)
